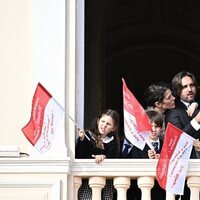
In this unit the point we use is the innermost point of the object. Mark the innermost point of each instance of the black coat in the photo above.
(130, 153)
(179, 118)
(134, 192)
(138, 153)
(85, 149)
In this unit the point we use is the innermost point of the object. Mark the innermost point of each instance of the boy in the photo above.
(154, 144)
(153, 148)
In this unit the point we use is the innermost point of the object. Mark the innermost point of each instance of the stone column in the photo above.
(145, 184)
(96, 184)
(77, 185)
(121, 184)
(194, 185)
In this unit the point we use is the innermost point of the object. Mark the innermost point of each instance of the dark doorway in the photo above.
(142, 41)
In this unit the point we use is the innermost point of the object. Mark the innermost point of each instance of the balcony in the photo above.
(122, 171)
(60, 179)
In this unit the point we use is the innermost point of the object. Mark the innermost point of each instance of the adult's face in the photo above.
(188, 93)
(168, 100)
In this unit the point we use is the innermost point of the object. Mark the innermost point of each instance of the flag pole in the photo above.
(149, 144)
(76, 124)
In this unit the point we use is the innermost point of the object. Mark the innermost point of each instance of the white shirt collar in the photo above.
(155, 141)
(149, 143)
(126, 142)
(185, 103)
(107, 139)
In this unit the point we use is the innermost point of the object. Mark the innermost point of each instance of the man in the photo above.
(184, 88)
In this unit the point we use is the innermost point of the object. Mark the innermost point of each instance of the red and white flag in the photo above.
(45, 116)
(174, 158)
(136, 122)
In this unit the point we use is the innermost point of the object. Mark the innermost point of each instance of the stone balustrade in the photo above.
(55, 179)
(122, 171)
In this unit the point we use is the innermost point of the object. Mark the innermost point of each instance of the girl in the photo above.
(99, 142)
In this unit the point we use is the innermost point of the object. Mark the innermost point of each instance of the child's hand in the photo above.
(193, 106)
(99, 158)
(157, 156)
(197, 144)
(81, 133)
(151, 154)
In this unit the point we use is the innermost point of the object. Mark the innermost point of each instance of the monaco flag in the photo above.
(174, 158)
(45, 116)
(136, 122)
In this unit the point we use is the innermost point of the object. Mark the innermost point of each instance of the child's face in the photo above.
(105, 125)
(155, 131)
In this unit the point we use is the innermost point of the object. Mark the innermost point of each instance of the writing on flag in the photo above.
(136, 122)
(45, 115)
(174, 158)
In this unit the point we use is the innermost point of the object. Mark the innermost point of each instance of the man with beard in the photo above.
(184, 88)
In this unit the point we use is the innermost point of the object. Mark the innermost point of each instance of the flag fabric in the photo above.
(136, 122)
(45, 116)
(174, 159)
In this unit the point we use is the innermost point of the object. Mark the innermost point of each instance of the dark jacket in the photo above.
(134, 192)
(138, 153)
(85, 149)
(130, 153)
(179, 117)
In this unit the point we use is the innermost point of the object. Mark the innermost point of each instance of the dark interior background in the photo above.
(142, 41)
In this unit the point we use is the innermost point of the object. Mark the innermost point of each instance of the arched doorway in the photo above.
(141, 41)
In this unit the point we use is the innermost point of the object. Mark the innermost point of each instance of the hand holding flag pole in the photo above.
(78, 127)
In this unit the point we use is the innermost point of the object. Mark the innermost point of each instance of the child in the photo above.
(154, 144)
(99, 143)
(157, 122)
(153, 148)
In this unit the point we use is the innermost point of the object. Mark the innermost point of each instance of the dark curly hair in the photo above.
(155, 93)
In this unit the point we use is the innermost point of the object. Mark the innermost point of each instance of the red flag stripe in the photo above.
(168, 145)
(174, 158)
(45, 116)
(136, 123)
(132, 105)
(33, 129)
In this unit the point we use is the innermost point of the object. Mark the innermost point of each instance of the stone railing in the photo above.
(60, 179)
(122, 171)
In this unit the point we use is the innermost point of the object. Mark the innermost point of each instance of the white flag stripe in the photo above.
(132, 134)
(52, 115)
(178, 164)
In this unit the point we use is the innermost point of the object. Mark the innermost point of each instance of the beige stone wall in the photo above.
(32, 50)
(15, 69)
